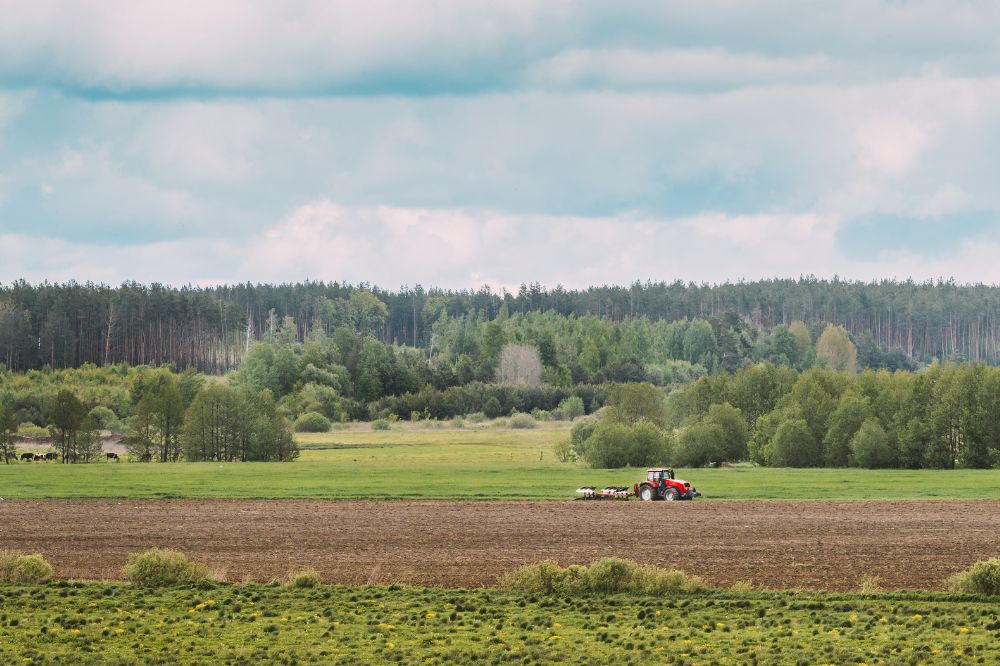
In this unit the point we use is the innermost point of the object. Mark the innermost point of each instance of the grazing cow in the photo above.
(39, 457)
(28, 456)
(51, 455)
(112, 456)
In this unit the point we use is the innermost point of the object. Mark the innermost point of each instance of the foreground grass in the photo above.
(247, 624)
(483, 463)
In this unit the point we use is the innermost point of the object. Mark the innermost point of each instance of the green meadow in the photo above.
(411, 461)
(76, 622)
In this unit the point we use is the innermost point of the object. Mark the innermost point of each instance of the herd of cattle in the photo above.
(28, 456)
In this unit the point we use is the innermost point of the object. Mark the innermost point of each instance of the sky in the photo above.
(459, 144)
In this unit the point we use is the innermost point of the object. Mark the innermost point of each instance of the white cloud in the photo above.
(315, 46)
(467, 248)
(891, 145)
(201, 142)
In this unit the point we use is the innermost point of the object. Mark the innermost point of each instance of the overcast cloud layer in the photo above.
(458, 144)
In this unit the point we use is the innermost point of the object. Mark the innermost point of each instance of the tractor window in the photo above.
(655, 476)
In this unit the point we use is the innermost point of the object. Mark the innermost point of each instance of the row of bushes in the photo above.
(492, 400)
(611, 575)
(315, 422)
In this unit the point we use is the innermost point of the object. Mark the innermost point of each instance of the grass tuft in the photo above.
(302, 579)
(611, 575)
(23, 569)
(163, 567)
(983, 577)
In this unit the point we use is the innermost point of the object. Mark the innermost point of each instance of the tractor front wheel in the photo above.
(647, 494)
(670, 494)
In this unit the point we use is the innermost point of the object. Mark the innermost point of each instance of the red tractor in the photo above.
(660, 484)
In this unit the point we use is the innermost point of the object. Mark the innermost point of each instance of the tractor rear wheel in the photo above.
(647, 494)
(670, 494)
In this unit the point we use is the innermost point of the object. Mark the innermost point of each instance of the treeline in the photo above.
(163, 416)
(943, 417)
(211, 328)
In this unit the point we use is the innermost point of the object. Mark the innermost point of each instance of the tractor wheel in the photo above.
(670, 494)
(647, 494)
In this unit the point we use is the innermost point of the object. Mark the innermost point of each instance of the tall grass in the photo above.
(23, 569)
(611, 575)
(162, 567)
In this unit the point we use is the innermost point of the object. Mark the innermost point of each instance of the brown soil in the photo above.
(816, 544)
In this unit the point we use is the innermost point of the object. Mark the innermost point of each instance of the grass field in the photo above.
(249, 624)
(481, 463)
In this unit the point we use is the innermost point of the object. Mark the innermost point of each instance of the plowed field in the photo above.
(815, 544)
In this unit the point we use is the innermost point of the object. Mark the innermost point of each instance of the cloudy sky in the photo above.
(454, 143)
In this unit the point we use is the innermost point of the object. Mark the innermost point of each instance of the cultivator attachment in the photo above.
(611, 492)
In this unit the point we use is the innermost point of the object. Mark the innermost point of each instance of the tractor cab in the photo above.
(656, 475)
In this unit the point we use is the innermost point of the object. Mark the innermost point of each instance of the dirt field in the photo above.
(817, 544)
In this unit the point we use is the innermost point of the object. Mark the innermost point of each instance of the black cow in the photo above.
(112, 456)
(39, 457)
(28, 456)
(51, 455)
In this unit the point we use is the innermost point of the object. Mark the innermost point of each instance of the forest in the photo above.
(941, 418)
(791, 373)
(211, 328)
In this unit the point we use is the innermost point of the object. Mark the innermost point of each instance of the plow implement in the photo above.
(611, 492)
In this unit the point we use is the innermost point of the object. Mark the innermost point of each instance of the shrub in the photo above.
(540, 414)
(104, 418)
(610, 575)
(564, 451)
(476, 417)
(457, 422)
(522, 422)
(161, 567)
(31, 431)
(302, 579)
(544, 577)
(983, 577)
(23, 569)
(500, 422)
(312, 422)
(571, 407)
(492, 408)
(380, 424)
(614, 445)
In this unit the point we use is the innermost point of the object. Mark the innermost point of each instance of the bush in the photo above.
(161, 567)
(104, 418)
(312, 422)
(571, 407)
(457, 422)
(610, 575)
(380, 424)
(564, 451)
(23, 569)
(500, 423)
(540, 415)
(492, 408)
(983, 577)
(522, 422)
(476, 417)
(31, 431)
(303, 579)
(794, 445)
(614, 445)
